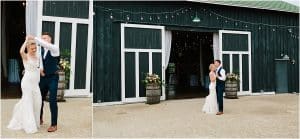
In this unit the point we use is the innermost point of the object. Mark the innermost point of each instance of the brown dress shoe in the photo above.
(52, 128)
(219, 113)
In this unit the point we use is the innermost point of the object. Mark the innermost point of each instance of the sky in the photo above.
(295, 2)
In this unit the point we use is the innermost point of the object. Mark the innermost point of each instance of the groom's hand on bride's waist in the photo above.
(42, 72)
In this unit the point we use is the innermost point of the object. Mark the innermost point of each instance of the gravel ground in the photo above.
(74, 120)
(249, 116)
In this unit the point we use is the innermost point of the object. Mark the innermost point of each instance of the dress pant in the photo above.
(220, 91)
(50, 83)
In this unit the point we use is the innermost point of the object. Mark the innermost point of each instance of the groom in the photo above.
(221, 76)
(49, 76)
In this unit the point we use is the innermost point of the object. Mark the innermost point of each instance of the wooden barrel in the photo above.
(61, 86)
(153, 93)
(231, 88)
(61, 76)
(171, 91)
(171, 67)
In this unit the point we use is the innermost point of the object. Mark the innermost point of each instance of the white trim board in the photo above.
(107, 104)
(65, 19)
(142, 50)
(262, 93)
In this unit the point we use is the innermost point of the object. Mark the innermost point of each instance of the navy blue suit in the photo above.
(220, 87)
(49, 82)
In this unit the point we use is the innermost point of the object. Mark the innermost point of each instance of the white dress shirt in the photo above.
(54, 49)
(222, 72)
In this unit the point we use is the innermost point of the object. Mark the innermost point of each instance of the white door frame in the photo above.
(150, 51)
(74, 21)
(240, 53)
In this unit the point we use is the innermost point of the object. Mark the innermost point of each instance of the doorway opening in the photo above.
(191, 54)
(12, 37)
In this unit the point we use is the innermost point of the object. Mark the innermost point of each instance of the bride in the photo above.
(26, 113)
(211, 104)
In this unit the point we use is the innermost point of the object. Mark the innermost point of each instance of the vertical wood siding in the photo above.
(268, 43)
(74, 9)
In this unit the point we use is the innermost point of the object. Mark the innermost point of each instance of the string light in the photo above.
(111, 16)
(186, 9)
(209, 12)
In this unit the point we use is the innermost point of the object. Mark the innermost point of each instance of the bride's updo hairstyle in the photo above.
(31, 45)
(211, 66)
(30, 42)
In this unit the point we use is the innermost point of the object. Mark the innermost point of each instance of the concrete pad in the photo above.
(74, 120)
(249, 116)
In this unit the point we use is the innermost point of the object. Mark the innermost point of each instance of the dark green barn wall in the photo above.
(73, 9)
(70, 9)
(267, 42)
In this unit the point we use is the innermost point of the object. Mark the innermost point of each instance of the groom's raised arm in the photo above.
(54, 49)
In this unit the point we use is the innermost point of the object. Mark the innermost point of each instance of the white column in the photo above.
(89, 48)
(73, 52)
(216, 48)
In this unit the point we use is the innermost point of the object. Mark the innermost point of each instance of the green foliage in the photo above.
(232, 77)
(152, 79)
(64, 63)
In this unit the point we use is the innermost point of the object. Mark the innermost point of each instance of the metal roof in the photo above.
(276, 5)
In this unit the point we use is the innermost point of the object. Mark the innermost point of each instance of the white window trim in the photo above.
(137, 51)
(74, 21)
(240, 53)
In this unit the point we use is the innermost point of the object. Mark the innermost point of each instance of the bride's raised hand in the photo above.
(22, 49)
(30, 37)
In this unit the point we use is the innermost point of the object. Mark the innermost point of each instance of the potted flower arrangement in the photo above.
(153, 88)
(231, 85)
(64, 74)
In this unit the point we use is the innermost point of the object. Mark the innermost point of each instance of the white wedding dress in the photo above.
(26, 113)
(211, 103)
